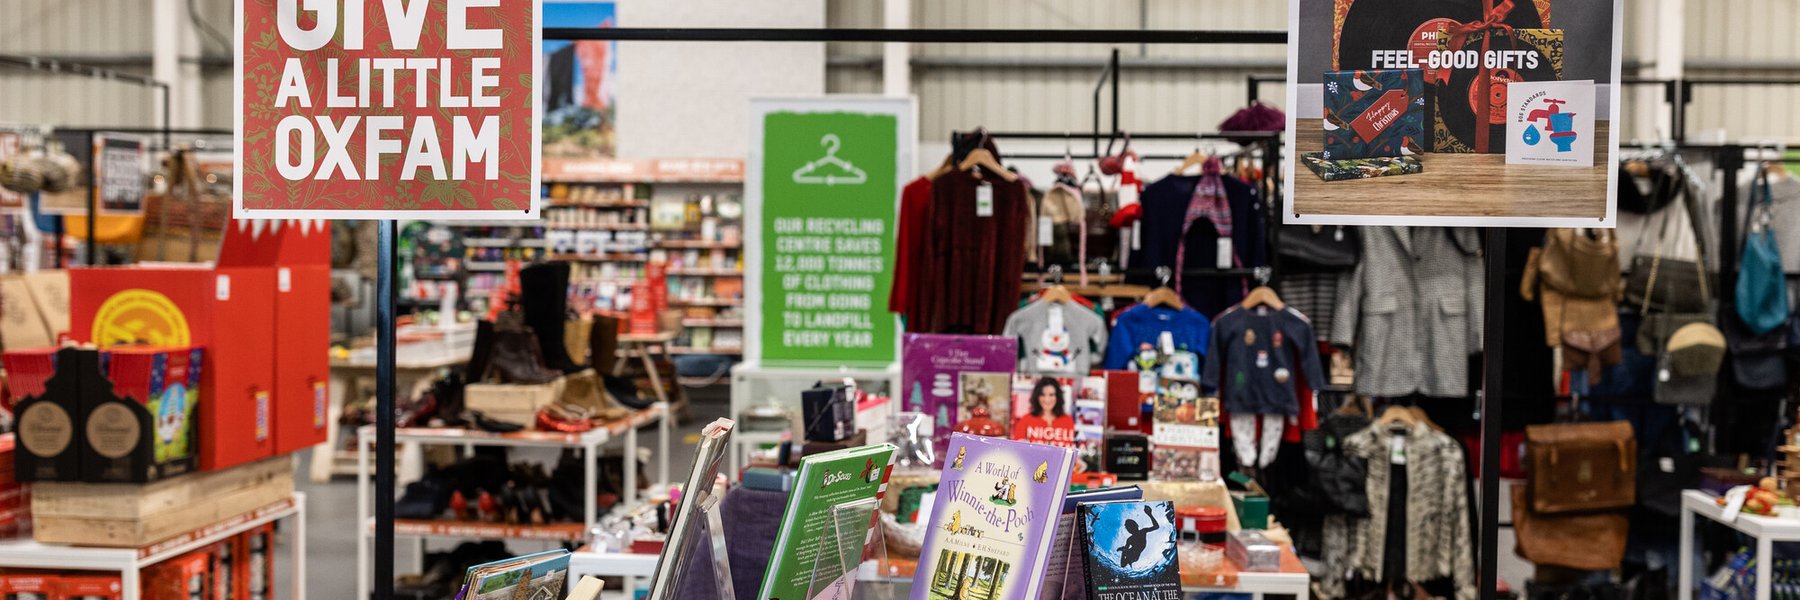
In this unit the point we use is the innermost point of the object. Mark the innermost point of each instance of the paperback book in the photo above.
(532, 576)
(824, 482)
(1090, 425)
(1185, 443)
(1066, 576)
(994, 520)
(1130, 550)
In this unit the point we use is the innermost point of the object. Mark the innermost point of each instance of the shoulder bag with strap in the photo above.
(1762, 298)
(1679, 286)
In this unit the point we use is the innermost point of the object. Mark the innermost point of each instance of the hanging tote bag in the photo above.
(1762, 300)
(1680, 285)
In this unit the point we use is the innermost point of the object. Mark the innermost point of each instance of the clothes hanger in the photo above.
(1163, 295)
(1056, 292)
(1419, 417)
(1195, 159)
(980, 157)
(1396, 414)
(1265, 296)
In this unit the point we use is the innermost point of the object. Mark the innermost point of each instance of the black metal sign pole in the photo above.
(1493, 342)
(384, 411)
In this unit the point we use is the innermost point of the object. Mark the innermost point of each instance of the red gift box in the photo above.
(299, 255)
(184, 577)
(229, 311)
(27, 585)
(87, 587)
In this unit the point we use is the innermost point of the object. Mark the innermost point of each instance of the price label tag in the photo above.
(1044, 231)
(984, 200)
(1224, 255)
(1397, 450)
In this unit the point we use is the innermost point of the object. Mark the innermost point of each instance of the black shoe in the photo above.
(544, 296)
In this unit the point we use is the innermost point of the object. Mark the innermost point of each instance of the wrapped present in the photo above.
(1374, 113)
(1360, 168)
(1534, 55)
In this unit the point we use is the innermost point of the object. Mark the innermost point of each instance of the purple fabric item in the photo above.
(752, 519)
(1256, 117)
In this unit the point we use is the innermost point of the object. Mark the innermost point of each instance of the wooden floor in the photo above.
(1459, 185)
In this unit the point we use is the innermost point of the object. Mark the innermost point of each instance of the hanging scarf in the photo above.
(1208, 202)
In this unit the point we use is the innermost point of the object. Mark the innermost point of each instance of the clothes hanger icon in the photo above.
(807, 173)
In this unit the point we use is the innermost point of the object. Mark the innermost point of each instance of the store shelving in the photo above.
(706, 302)
(712, 322)
(128, 562)
(412, 441)
(600, 226)
(710, 350)
(685, 272)
(698, 245)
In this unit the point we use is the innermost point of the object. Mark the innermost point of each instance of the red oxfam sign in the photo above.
(387, 109)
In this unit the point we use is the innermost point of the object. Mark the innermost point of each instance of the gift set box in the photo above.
(263, 315)
(124, 415)
(1374, 113)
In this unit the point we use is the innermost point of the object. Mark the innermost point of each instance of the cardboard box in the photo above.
(27, 586)
(297, 254)
(302, 361)
(228, 311)
(224, 568)
(21, 324)
(87, 587)
(50, 294)
(27, 370)
(513, 403)
(256, 563)
(184, 577)
(143, 428)
(49, 425)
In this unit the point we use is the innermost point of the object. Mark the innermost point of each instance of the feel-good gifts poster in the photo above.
(1353, 61)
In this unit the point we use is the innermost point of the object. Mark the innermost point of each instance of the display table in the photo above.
(412, 440)
(1766, 531)
(1291, 580)
(127, 562)
(753, 384)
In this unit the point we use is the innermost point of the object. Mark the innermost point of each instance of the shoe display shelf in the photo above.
(410, 444)
(129, 562)
(416, 364)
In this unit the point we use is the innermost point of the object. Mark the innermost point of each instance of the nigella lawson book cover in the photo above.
(1130, 550)
(994, 519)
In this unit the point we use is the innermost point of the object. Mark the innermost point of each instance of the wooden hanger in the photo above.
(1397, 414)
(980, 157)
(1263, 295)
(1419, 417)
(1164, 297)
(1193, 160)
(1356, 406)
(1057, 293)
(942, 168)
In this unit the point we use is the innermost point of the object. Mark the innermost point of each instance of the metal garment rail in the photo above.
(78, 69)
(384, 398)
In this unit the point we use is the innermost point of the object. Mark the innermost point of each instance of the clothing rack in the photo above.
(59, 67)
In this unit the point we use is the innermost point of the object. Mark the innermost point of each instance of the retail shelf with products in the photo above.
(412, 441)
(475, 266)
(1765, 530)
(576, 204)
(674, 272)
(720, 351)
(599, 258)
(706, 302)
(600, 226)
(503, 243)
(128, 562)
(712, 322)
(698, 245)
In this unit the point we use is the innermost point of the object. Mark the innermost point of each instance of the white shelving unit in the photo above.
(411, 443)
(128, 562)
(1766, 531)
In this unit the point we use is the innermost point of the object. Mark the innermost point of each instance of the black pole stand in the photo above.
(384, 410)
(1493, 343)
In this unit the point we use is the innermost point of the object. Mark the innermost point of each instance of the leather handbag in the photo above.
(1587, 541)
(1319, 247)
(1581, 466)
(1581, 262)
(1758, 360)
(1687, 368)
(1662, 283)
(1762, 295)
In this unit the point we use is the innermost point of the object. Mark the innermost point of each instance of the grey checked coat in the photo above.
(1411, 311)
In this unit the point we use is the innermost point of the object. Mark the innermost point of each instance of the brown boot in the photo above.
(603, 343)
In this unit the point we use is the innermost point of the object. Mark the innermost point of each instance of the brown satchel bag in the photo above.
(1581, 466)
(1591, 541)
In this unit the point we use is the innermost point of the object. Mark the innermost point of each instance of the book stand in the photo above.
(853, 544)
(714, 534)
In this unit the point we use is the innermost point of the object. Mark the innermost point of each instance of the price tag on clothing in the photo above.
(1224, 255)
(1137, 239)
(1397, 450)
(984, 200)
(1044, 231)
(1166, 341)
